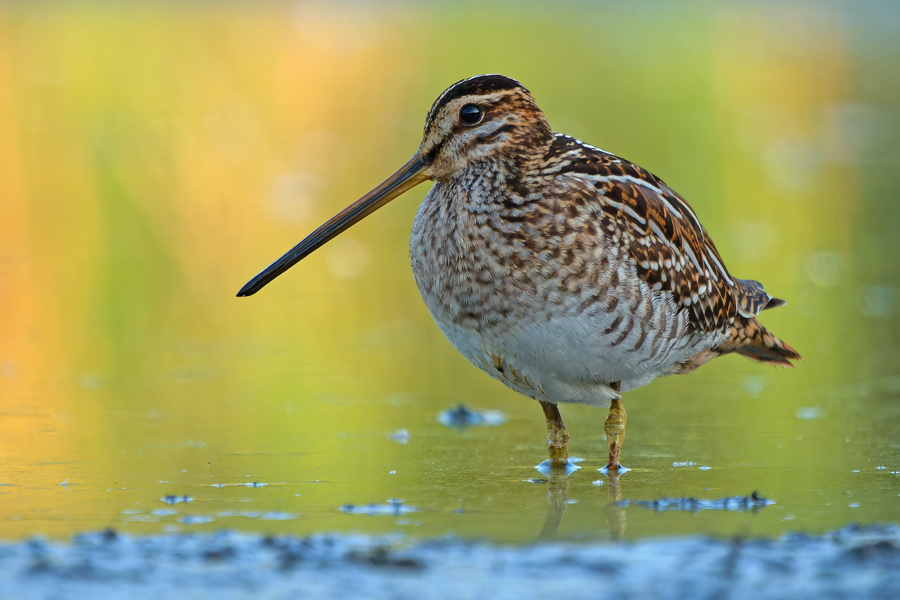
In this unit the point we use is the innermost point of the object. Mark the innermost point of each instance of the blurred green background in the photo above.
(156, 155)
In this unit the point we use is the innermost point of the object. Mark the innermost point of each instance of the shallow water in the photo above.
(849, 563)
(155, 157)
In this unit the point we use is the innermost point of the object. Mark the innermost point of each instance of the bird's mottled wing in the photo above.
(664, 240)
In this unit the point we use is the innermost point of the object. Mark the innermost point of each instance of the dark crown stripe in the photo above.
(473, 86)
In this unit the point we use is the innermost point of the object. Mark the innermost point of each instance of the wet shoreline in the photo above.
(852, 562)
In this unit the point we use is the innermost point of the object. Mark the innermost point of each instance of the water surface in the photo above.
(154, 157)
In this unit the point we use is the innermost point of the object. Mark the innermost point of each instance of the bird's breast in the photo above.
(540, 301)
(485, 257)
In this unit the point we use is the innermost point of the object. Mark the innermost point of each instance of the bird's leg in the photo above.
(557, 438)
(616, 517)
(615, 430)
(557, 502)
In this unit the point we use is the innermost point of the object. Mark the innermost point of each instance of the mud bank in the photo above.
(852, 562)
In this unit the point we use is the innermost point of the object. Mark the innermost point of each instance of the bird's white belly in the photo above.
(539, 361)
(562, 359)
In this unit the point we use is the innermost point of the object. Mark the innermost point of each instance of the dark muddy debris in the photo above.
(752, 503)
(171, 499)
(463, 418)
(392, 507)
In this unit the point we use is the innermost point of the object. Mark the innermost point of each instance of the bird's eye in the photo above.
(470, 114)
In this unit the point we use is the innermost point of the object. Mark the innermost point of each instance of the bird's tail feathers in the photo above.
(752, 340)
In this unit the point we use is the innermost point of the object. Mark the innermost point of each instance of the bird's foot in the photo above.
(613, 469)
(550, 467)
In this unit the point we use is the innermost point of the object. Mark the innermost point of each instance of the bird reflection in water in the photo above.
(558, 500)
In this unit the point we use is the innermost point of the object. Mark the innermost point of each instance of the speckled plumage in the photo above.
(559, 268)
(564, 271)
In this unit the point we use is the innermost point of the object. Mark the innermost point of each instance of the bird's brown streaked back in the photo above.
(666, 243)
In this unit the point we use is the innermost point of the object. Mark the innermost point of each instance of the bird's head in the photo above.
(483, 117)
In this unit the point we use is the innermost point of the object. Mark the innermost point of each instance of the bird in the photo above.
(564, 271)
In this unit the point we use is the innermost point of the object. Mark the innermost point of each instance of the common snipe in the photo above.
(564, 271)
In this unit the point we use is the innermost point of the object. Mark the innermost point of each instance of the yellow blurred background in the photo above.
(156, 155)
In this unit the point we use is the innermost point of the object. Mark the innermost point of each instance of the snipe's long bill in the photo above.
(564, 271)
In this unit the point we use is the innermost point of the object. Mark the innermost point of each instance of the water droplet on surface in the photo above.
(401, 436)
(808, 413)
